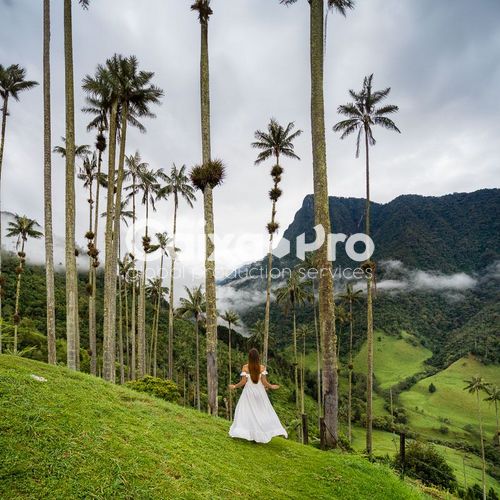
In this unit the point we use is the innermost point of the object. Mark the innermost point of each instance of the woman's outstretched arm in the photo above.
(267, 385)
(241, 383)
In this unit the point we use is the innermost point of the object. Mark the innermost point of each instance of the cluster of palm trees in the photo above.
(119, 95)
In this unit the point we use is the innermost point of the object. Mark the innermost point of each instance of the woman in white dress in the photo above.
(254, 417)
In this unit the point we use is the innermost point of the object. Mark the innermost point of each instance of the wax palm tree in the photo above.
(294, 294)
(72, 318)
(194, 306)
(124, 267)
(131, 94)
(208, 175)
(303, 333)
(155, 291)
(232, 319)
(81, 152)
(12, 83)
(47, 195)
(205, 178)
(177, 185)
(350, 297)
(165, 246)
(276, 142)
(308, 268)
(21, 228)
(476, 385)
(147, 185)
(256, 338)
(322, 211)
(494, 397)
(135, 167)
(361, 116)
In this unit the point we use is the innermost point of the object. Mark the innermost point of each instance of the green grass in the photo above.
(76, 436)
(386, 443)
(427, 411)
(394, 358)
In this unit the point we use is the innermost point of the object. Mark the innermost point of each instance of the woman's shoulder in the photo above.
(245, 368)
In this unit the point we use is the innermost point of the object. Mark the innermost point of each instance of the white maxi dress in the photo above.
(254, 416)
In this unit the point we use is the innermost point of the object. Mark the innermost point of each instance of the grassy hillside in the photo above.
(450, 405)
(395, 358)
(74, 436)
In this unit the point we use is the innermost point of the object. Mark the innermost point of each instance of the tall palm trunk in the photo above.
(295, 361)
(369, 319)
(197, 332)
(73, 350)
(267, 314)
(134, 289)
(109, 267)
(158, 307)
(47, 192)
(127, 339)
(93, 278)
(113, 264)
(318, 361)
(2, 144)
(171, 298)
(211, 325)
(483, 458)
(322, 217)
(141, 316)
(230, 401)
(349, 403)
(18, 293)
(120, 331)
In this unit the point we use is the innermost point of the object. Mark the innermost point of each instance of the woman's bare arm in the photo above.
(267, 385)
(241, 383)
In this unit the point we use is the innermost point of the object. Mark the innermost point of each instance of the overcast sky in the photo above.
(441, 58)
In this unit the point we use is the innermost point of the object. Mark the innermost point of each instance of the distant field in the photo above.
(450, 401)
(394, 358)
(386, 443)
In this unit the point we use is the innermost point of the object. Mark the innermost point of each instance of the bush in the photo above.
(432, 388)
(444, 430)
(425, 463)
(158, 387)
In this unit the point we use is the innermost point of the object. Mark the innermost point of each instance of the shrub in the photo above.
(432, 388)
(158, 387)
(425, 463)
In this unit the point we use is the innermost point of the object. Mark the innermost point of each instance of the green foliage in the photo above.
(158, 387)
(432, 388)
(423, 462)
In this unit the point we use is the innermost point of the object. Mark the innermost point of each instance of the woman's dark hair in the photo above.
(254, 365)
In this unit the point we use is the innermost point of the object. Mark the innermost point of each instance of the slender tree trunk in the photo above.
(295, 361)
(483, 458)
(211, 323)
(267, 314)
(2, 144)
(155, 354)
(322, 217)
(497, 440)
(116, 245)
(171, 298)
(120, 331)
(73, 353)
(134, 289)
(197, 331)
(349, 405)
(318, 361)
(369, 319)
(18, 293)
(109, 266)
(127, 340)
(230, 400)
(47, 192)
(141, 318)
(93, 279)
